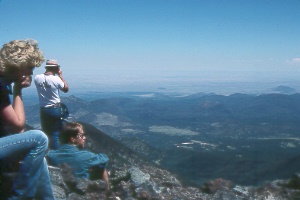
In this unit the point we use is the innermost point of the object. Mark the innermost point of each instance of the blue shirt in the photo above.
(80, 160)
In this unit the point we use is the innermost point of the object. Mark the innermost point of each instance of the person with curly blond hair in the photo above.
(18, 54)
(18, 59)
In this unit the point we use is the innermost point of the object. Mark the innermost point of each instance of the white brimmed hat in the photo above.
(52, 63)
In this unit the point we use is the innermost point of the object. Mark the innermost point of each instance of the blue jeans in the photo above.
(51, 124)
(32, 180)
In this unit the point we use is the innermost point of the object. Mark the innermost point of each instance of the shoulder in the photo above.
(87, 154)
(38, 76)
(66, 148)
(65, 151)
(55, 79)
(52, 153)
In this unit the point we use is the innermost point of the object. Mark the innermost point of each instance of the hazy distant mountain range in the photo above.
(284, 89)
(244, 138)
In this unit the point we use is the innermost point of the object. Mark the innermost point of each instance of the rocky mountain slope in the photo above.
(225, 145)
(253, 137)
(132, 178)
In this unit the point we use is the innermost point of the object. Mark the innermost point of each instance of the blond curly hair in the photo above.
(19, 53)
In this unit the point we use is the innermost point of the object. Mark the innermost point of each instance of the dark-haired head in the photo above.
(70, 132)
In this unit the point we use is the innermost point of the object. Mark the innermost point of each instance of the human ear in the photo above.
(72, 140)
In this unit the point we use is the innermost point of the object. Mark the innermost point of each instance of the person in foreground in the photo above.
(82, 162)
(18, 59)
(48, 86)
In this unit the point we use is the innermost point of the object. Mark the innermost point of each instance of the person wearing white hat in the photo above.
(48, 86)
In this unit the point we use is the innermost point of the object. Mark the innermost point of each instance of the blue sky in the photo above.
(121, 42)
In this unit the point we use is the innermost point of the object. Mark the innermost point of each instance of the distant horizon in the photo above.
(175, 85)
(226, 81)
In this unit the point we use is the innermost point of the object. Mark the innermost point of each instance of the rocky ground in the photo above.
(132, 177)
(146, 182)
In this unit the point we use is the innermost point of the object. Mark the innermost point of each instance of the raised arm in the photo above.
(14, 115)
(65, 89)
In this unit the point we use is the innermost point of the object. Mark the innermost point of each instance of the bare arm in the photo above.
(105, 178)
(97, 172)
(14, 115)
(65, 89)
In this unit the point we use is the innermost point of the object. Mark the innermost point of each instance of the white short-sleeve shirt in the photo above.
(48, 87)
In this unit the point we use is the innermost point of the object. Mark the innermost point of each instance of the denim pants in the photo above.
(51, 124)
(32, 180)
